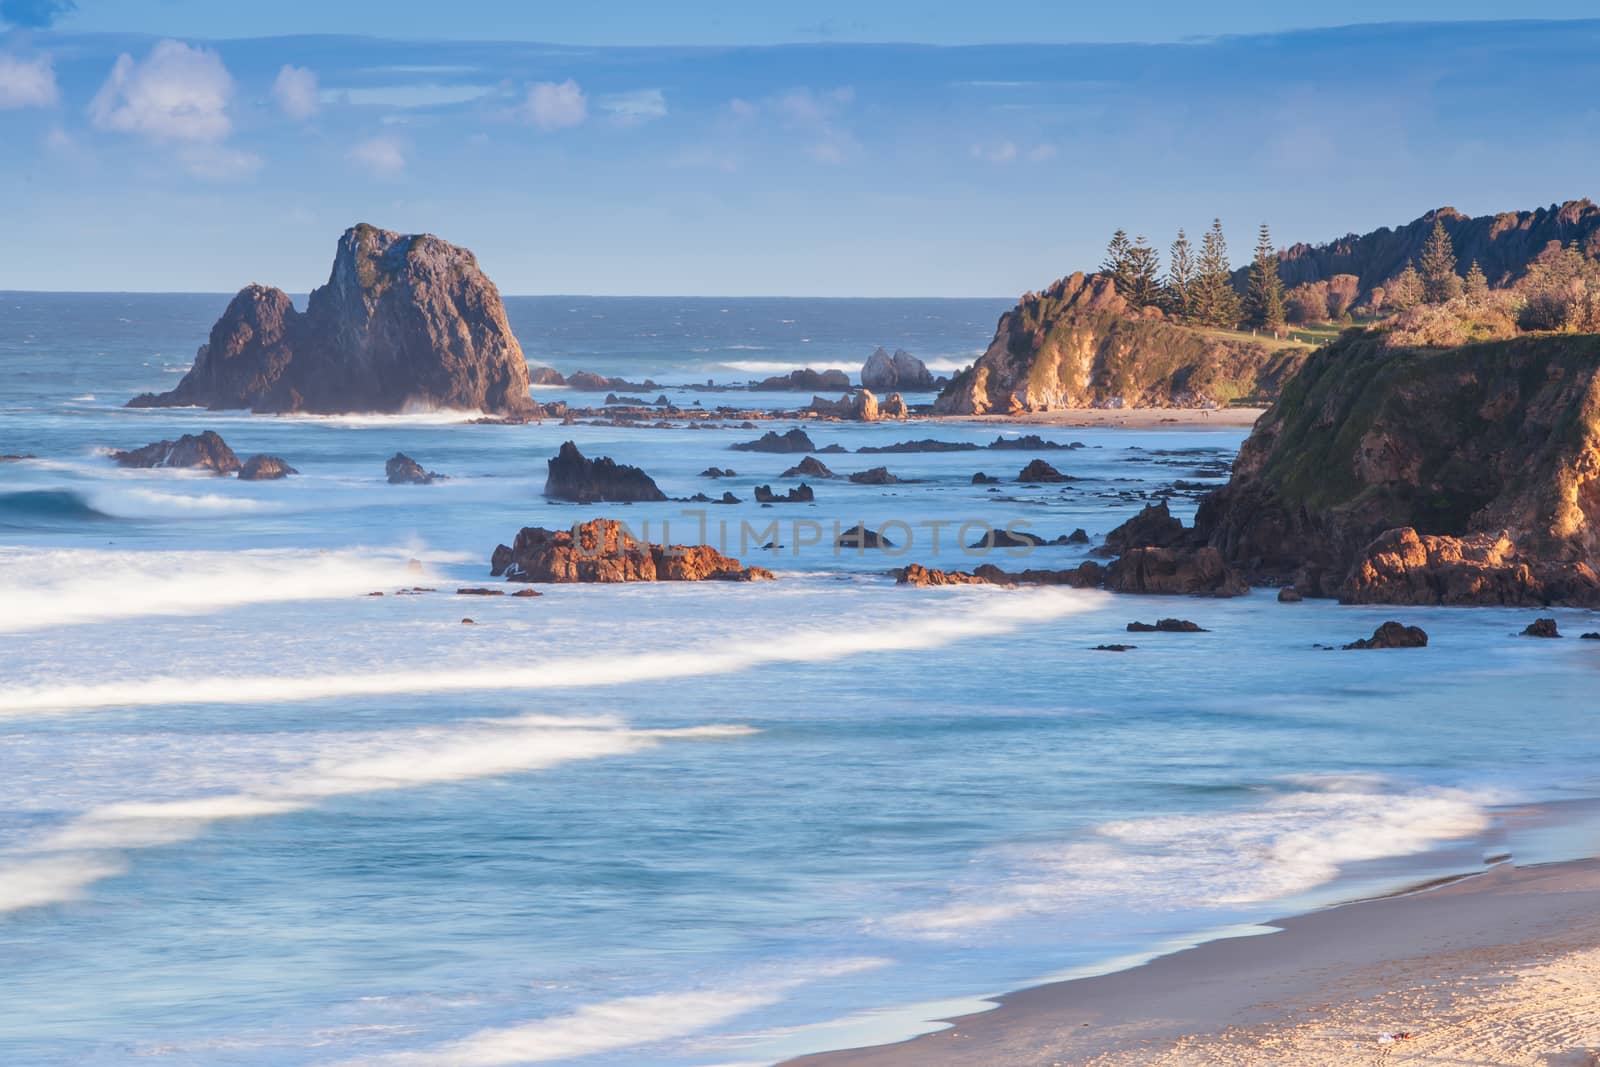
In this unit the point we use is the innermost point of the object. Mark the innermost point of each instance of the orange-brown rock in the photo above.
(603, 550)
(1404, 567)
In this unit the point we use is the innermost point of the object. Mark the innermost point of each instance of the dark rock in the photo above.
(545, 376)
(264, 469)
(772, 441)
(17, 458)
(1591, 636)
(1541, 628)
(900, 371)
(1007, 538)
(469, 622)
(1288, 595)
(404, 321)
(831, 450)
(1153, 527)
(800, 494)
(1393, 635)
(984, 479)
(1113, 648)
(718, 472)
(1086, 575)
(1040, 471)
(207, 450)
(927, 444)
(602, 551)
(859, 537)
(810, 467)
(805, 381)
(1080, 536)
(480, 591)
(577, 478)
(1029, 443)
(527, 593)
(875, 476)
(1166, 626)
(401, 469)
(1173, 571)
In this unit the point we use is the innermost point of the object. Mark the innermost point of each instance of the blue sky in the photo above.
(724, 149)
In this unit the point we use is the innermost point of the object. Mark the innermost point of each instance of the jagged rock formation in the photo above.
(1424, 476)
(265, 469)
(1393, 635)
(404, 321)
(887, 373)
(1503, 245)
(401, 469)
(575, 477)
(800, 494)
(875, 476)
(794, 440)
(602, 550)
(1077, 344)
(1038, 470)
(207, 450)
(810, 467)
(805, 381)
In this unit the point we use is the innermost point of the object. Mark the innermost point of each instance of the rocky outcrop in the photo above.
(1038, 471)
(902, 370)
(864, 408)
(805, 381)
(545, 376)
(1077, 344)
(1175, 572)
(1153, 527)
(265, 469)
(401, 469)
(800, 494)
(1166, 626)
(1541, 628)
(207, 451)
(1393, 635)
(794, 440)
(893, 407)
(602, 550)
(860, 538)
(875, 476)
(810, 467)
(1468, 475)
(1086, 575)
(719, 472)
(404, 321)
(575, 477)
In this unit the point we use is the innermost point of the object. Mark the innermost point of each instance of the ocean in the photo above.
(252, 815)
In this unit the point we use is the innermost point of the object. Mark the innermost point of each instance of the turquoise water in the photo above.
(252, 815)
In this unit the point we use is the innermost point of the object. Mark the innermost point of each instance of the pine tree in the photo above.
(1263, 301)
(1477, 284)
(1405, 291)
(1144, 272)
(1119, 261)
(1180, 295)
(1215, 302)
(1440, 282)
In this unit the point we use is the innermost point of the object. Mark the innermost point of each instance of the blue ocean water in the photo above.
(252, 815)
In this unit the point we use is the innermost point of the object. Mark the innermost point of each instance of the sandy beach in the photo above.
(1497, 969)
(1124, 418)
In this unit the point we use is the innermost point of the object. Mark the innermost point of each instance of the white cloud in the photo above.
(26, 82)
(1003, 152)
(383, 156)
(638, 106)
(743, 109)
(177, 93)
(295, 90)
(809, 107)
(218, 162)
(556, 105)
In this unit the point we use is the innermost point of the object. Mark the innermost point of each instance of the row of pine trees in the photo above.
(1198, 284)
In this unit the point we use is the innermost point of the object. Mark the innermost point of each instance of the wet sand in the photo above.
(1502, 968)
(1124, 418)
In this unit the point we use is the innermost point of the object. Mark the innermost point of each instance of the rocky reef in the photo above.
(1466, 475)
(207, 451)
(404, 321)
(1078, 344)
(263, 468)
(401, 469)
(603, 550)
(575, 477)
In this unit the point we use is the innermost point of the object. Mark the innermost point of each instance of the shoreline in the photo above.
(1499, 966)
(1120, 418)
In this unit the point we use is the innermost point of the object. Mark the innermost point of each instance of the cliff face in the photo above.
(1486, 458)
(1077, 344)
(404, 321)
(1503, 245)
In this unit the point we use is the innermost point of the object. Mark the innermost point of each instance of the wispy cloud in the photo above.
(295, 90)
(633, 108)
(556, 105)
(27, 82)
(383, 157)
(177, 93)
(812, 114)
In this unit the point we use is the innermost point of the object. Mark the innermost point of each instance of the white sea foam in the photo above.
(993, 611)
(1289, 845)
(140, 503)
(61, 864)
(766, 366)
(63, 587)
(626, 1022)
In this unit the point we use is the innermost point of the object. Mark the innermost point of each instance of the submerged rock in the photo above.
(577, 478)
(1393, 635)
(264, 469)
(1166, 626)
(603, 550)
(810, 467)
(793, 441)
(800, 494)
(1541, 628)
(207, 451)
(1039, 471)
(401, 469)
(404, 321)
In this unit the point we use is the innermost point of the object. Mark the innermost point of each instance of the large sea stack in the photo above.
(1078, 344)
(1385, 474)
(404, 322)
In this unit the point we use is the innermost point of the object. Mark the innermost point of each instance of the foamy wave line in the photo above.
(61, 865)
(626, 1022)
(1002, 611)
(65, 587)
(1287, 846)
